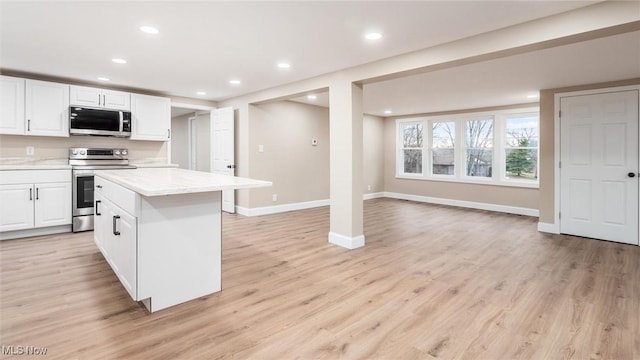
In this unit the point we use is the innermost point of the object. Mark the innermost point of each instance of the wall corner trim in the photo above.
(548, 228)
(349, 242)
(466, 204)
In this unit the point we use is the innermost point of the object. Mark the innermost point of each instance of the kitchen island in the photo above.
(160, 231)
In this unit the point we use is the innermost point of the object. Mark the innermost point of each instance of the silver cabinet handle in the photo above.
(115, 219)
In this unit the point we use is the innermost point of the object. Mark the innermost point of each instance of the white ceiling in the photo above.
(504, 81)
(202, 45)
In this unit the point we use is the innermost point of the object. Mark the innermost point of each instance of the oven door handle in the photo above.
(97, 212)
(115, 219)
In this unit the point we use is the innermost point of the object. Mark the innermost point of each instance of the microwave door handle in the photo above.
(121, 121)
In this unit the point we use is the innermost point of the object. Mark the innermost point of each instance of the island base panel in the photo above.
(179, 248)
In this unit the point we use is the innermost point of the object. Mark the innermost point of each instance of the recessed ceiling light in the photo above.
(102, 78)
(284, 65)
(373, 36)
(149, 30)
(234, 82)
(201, 93)
(388, 112)
(312, 97)
(119, 61)
(533, 96)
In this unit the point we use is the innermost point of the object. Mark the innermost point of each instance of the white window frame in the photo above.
(499, 146)
(400, 149)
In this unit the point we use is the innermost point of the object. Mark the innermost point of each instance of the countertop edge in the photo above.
(181, 190)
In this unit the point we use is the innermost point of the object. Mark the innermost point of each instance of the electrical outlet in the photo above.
(260, 148)
(31, 150)
(274, 197)
(368, 187)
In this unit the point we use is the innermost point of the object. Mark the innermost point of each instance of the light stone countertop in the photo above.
(172, 181)
(35, 167)
(152, 165)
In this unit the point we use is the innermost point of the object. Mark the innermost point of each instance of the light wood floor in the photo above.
(432, 282)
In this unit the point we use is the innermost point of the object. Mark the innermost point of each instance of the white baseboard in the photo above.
(17, 234)
(548, 228)
(370, 196)
(426, 199)
(466, 204)
(266, 210)
(346, 241)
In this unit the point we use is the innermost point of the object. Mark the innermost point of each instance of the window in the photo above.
(498, 147)
(479, 147)
(412, 147)
(443, 148)
(521, 147)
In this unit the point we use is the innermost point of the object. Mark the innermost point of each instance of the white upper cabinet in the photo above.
(100, 98)
(151, 117)
(11, 105)
(46, 108)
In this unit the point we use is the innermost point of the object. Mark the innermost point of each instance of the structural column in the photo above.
(345, 132)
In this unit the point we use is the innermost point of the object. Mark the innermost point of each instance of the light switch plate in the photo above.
(31, 150)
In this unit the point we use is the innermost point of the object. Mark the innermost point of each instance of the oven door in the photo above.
(82, 192)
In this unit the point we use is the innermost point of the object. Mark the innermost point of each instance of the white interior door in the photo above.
(599, 166)
(222, 151)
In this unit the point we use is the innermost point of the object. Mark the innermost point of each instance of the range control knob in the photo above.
(117, 152)
(82, 152)
(74, 152)
(124, 152)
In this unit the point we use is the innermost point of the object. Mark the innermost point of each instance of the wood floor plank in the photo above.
(432, 282)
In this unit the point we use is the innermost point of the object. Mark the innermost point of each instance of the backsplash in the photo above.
(55, 150)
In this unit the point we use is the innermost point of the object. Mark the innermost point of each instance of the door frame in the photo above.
(193, 107)
(192, 152)
(556, 145)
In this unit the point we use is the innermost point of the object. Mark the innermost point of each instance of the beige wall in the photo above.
(490, 194)
(56, 149)
(373, 154)
(547, 142)
(203, 142)
(298, 170)
(180, 140)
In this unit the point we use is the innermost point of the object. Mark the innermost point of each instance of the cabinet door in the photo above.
(100, 219)
(47, 108)
(116, 100)
(11, 105)
(16, 211)
(151, 117)
(52, 204)
(85, 96)
(123, 251)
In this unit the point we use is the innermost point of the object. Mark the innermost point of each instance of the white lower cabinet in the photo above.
(164, 249)
(27, 204)
(115, 234)
(19, 215)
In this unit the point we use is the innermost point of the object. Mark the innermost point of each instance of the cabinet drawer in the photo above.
(123, 198)
(34, 176)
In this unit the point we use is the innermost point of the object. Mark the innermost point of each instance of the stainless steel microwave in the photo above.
(101, 122)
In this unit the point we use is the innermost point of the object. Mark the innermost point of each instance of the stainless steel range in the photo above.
(84, 161)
